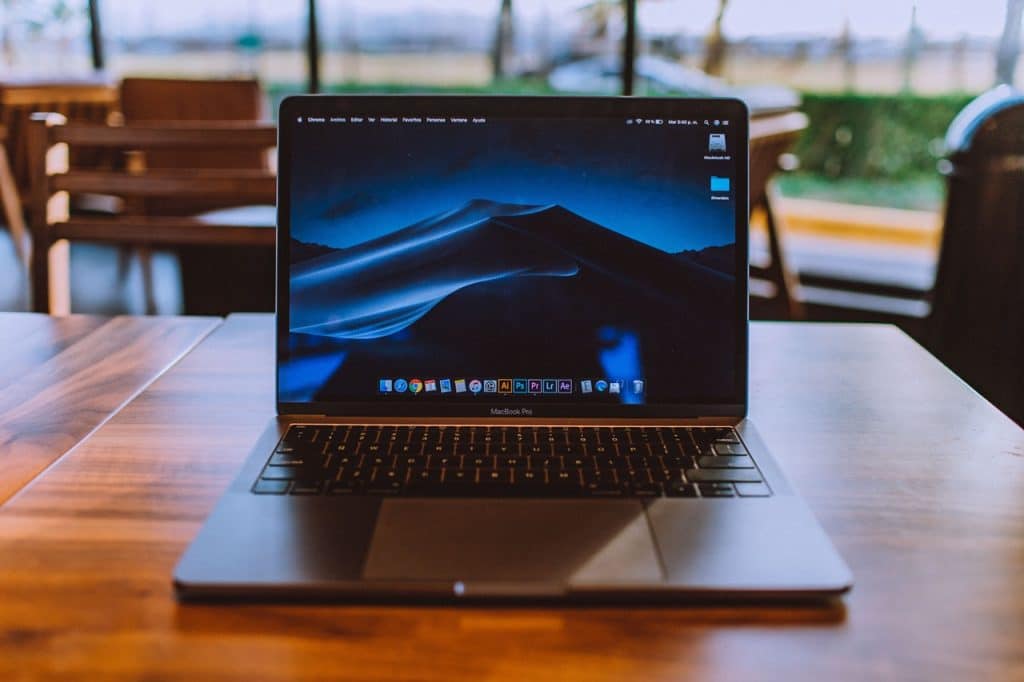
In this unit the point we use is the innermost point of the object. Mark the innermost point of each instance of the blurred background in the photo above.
(894, 71)
(855, 211)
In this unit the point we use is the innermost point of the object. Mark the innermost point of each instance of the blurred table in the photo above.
(61, 377)
(917, 479)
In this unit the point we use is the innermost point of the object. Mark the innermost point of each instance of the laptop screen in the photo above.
(510, 257)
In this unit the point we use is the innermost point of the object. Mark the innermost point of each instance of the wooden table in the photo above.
(918, 480)
(61, 377)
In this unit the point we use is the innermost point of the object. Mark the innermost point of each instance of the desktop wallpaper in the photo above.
(590, 251)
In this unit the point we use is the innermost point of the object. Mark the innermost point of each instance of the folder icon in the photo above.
(719, 184)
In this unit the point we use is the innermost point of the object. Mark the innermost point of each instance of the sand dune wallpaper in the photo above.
(515, 248)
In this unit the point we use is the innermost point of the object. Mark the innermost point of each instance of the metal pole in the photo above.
(629, 47)
(313, 48)
(96, 35)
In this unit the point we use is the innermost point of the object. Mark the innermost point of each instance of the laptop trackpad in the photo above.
(578, 542)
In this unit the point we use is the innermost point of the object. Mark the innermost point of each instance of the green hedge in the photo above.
(892, 137)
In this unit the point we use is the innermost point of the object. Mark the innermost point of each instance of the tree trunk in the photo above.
(714, 55)
(502, 40)
(1009, 43)
(844, 48)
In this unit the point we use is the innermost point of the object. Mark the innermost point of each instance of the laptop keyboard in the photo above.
(511, 461)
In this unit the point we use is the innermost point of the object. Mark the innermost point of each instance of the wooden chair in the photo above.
(10, 202)
(92, 100)
(52, 141)
(149, 100)
(976, 325)
(771, 137)
(181, 99)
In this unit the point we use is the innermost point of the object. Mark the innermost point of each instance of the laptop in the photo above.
(511, 364)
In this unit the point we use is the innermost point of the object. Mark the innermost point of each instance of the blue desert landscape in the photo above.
(492, 289)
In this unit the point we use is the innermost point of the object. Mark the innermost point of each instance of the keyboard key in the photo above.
(384, 487)
(680, 489)
(724, 475)
(385, 476)
(752, 490)
(646, 489)
(598, 489)
(725, 462)
(264, 487)
(493, 476)
(306, 487)
(347, 487)
(728, 448)
(280, 473)
(279, 459)
(715, 489)
(425, 475)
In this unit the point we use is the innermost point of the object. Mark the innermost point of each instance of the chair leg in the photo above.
(60, 277)
(51, 277)
(124, 262)
(39, 274)
(784, 278)
(11, 203)
(148, 286)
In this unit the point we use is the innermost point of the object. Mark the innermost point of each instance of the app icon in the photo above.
(536, 386)
(716, 142)
(385, 385)
(519, 385)
(490, 385)
(446, 385)
(587, 386)
(719, 184)
(550, 386)
(475, 385)
(638, 386)
(613, 386)
(430, 385)
(565, 385)
(601, 385)
(504, 385)
(401, 385)
(415, 385)
(460, 385)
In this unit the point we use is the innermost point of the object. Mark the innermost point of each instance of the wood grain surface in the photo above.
(61, 377)
(917, 479)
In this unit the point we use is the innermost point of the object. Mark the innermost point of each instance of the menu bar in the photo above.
(392, 120)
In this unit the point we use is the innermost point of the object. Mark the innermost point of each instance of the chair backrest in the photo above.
(173, 99)
(977, 321)
(84, 101)
(771, 136)
(51, 141)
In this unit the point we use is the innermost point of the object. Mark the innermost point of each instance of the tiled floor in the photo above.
(98, 285)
